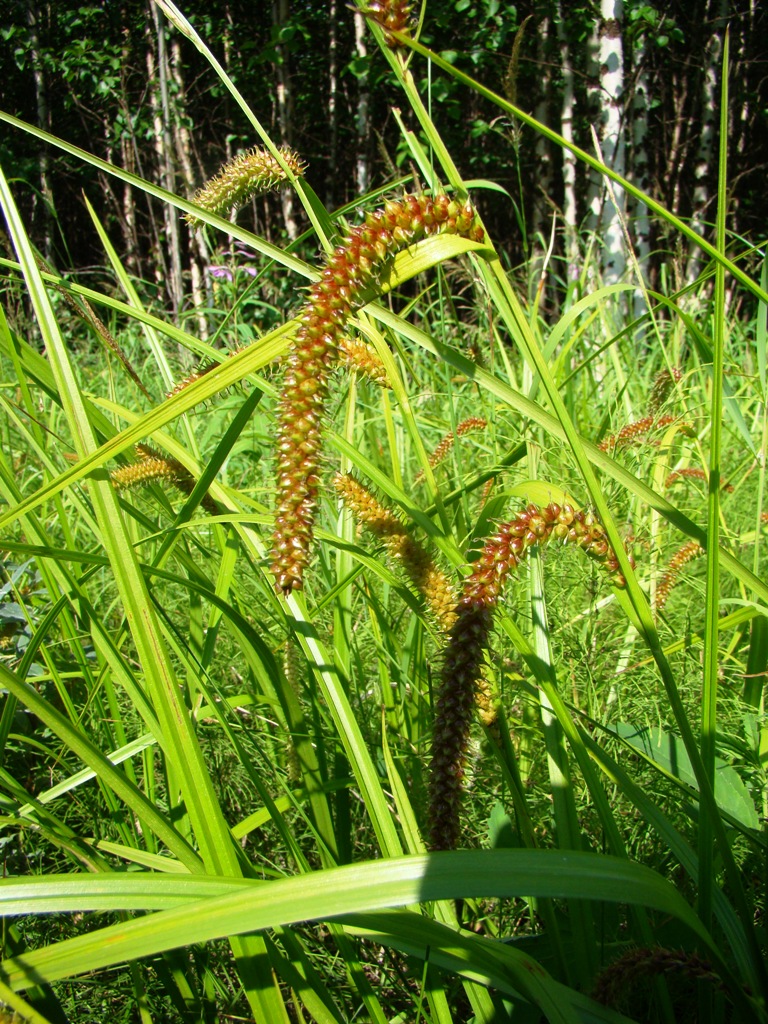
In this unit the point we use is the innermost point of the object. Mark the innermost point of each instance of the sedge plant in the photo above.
(384, 749)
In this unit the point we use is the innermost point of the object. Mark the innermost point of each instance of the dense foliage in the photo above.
(104, 77)
(312, 707)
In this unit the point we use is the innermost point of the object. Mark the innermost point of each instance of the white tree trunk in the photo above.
(362, 121)
(183, 142)
(541, 227)
(542, 207)
(44, 120)
(333, 106)
(707, 139)
(641, 222)
(570, 215)
(613, 143)
(594, 197)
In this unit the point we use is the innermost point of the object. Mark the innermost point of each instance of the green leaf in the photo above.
(667, 751)
(321, 895)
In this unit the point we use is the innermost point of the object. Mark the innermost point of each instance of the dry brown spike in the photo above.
(690, 550)
(467, 426)
(429, 579)
(615, 981)
(634, 431)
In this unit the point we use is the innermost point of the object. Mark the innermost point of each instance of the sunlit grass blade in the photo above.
(349, 890)
(529, 410)
(329, 677)
(313, 208)
(261, 245)
(181, 747)
(711, 666)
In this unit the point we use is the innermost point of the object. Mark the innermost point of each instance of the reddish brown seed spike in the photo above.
(315, 352)
(638, 429)
(468, 640)
(690, 550)
(416, 562)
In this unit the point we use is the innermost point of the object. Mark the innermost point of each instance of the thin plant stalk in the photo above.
(708, 727)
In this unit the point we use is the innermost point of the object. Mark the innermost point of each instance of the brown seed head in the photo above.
(348, 270)
(468, 640)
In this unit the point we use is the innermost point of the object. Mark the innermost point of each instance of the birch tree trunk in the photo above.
(613, 145)
(703, 170)
(594, 196)
(640, 221)
(128, 160)
(333, 108)
(183, 146)
(363, 117)
(543, 207)
(570, 214)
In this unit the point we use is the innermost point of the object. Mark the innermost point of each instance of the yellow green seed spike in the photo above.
(249, 174)
(417, 563)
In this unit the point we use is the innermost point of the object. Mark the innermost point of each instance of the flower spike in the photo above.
(152, 465)
(467, 426)
(632, 431)
(687, 553)
(418, 565)
(348, 270)
(468, 641)
(392, 16)
(249, 174)
(661, 388)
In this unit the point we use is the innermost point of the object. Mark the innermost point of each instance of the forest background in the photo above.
(109, 78)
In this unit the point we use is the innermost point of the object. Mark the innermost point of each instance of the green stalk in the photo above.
(565, 812)
(590, 161)
(317, 215)
(184, 758)
(508, 306)
(708, 726)
(280, 256)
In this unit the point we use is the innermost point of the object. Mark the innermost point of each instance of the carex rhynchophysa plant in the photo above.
(196, 660)
(418, 565)
(469, 638)
(247, 175)
(349, 270)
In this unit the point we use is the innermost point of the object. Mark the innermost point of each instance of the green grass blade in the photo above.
(602, 169)
(355, 889)
(185, 758)
(273, 252)
(711, 666)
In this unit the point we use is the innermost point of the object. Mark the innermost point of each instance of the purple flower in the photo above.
(249, 254)
(221, 272)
